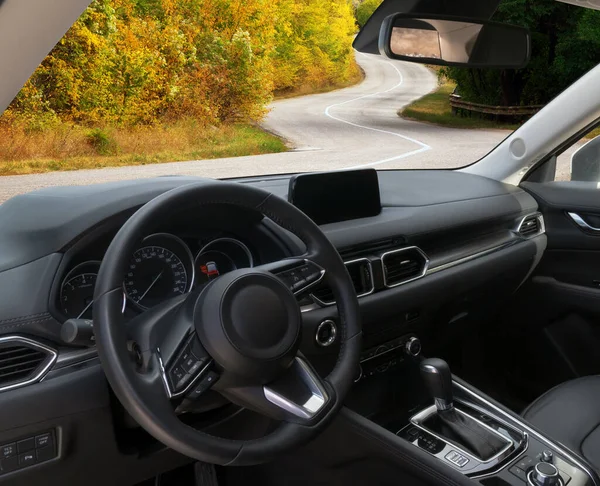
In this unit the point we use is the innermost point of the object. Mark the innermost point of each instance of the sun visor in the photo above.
(367, 39)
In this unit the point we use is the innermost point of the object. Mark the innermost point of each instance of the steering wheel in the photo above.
(238, 335)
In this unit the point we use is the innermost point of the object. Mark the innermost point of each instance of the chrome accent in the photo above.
(332, 331)
(418, 419)
(52, 355)
(473, 256)
(529, 430)
(313, 405)
(165, 380)
(542, 225)
(75, 357)
(579, 221)
(364, 294)
(544, 482)
(400, 250)
(408, 345)
(443, 405)
(244, 248)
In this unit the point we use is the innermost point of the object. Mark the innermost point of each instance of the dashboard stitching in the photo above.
(22, 318)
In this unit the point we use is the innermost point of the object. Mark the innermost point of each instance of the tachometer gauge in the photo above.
(221, 256)
(160, 269)
(77, 290)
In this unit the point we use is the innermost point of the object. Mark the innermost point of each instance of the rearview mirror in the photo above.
(428, 39)
(585, 162)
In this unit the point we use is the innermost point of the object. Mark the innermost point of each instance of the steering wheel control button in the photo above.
(204, 384)
(8, 450)
(26, 445)
(299, 279)
(178, 377)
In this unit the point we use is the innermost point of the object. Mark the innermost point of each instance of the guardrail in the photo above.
(466, 108)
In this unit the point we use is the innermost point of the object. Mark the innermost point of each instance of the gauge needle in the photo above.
(86, 308)
(151, 285)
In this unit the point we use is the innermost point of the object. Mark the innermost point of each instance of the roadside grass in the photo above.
(72, 148)
(435, 108)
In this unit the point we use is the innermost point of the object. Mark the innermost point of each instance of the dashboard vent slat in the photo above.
(362, 278)
(23, 361)
(403, 265)
(530, 226)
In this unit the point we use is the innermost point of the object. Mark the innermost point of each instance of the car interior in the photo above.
(476, 297)
(351, 327)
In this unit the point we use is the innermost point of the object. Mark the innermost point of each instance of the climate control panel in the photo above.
(387, 356)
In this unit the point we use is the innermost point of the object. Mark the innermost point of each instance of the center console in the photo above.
(464, 430)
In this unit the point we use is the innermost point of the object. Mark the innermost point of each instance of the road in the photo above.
(349, 128)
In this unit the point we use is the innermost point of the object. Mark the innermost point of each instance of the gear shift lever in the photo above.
(438, 380)
(451, 423)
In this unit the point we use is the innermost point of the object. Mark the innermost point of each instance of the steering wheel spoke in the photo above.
(298, 274)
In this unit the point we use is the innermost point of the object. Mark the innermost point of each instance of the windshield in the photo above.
(233, 88)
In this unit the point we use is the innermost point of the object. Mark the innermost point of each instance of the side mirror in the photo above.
(429, 39)
(585, 162)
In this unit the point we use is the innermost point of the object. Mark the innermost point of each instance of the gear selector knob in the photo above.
(438, 381)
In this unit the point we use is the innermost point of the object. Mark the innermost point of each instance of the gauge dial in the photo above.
(221, 256)
(161, 269)
(77, 291)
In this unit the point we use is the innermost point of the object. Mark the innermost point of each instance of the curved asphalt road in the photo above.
(349, 128)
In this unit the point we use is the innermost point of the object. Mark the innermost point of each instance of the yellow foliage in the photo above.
(130, 62)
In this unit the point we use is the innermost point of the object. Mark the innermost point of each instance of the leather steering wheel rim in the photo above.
(139, 393)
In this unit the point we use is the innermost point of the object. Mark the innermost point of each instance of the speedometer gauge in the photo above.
(160, 269)
(77, 290)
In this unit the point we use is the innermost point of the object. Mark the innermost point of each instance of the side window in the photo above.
(581, 161)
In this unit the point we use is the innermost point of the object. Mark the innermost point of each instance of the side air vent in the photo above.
(23, 361)
(371, 248)
(531, 225)
(403, 265)
(362, 278)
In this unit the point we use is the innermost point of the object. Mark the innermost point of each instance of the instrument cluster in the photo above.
(162, 267)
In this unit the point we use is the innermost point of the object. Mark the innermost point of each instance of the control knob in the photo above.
(413, 346)
(544, 474)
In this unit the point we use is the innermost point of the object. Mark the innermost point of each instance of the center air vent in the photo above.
(23, 361)
(403, 265)
(531, 226)
(362, 278)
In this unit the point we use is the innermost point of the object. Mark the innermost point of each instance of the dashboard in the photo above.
(445, 246)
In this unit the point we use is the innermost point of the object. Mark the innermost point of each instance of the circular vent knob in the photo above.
(413, 346)
(326, 333)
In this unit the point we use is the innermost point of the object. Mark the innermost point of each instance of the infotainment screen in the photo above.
(329, 197)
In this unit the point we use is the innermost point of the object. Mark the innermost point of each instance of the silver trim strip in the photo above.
(529, 430)
(52, 355)
(310, 407)
(350, 262)
(579, 221)
(401, 250)
(542, 225)
(473, 256)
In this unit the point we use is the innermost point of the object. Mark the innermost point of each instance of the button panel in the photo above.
(457, 458)
(186, 366)
(27, 451)
(300, 278)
